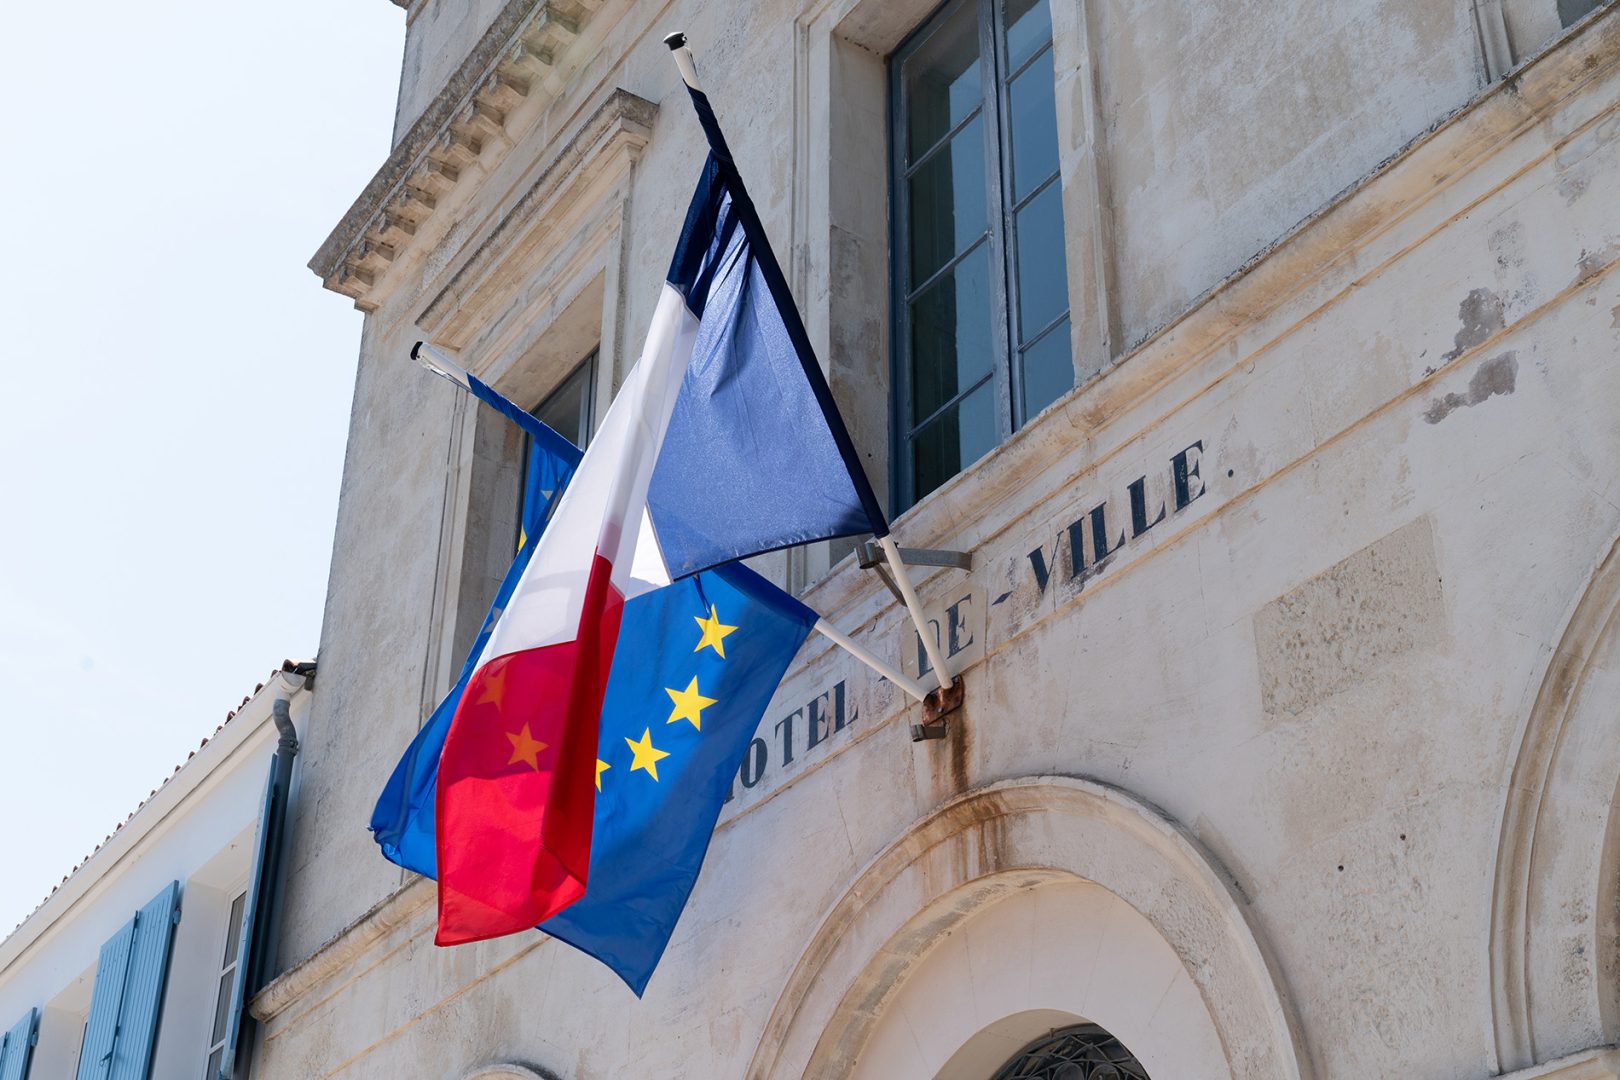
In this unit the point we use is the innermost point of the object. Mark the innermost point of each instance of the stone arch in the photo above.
(1043, 956)
(510, 1070)
(992, 843)
(1555, 980)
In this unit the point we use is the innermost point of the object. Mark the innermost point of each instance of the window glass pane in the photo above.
(957, 439)
(1048, 370)
(233, 930)
(947, 197)
(1029, 26)
(214, 1060)
(564, 410)
(942, 81)
(1043, 285)
(950, 334)
(222, 1006)
(1571, 12)
(567, 411)
(1033, 110)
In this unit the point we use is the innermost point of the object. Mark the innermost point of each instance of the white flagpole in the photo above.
(911, 686)
(902, 579)
(439, 363)
(683, 58)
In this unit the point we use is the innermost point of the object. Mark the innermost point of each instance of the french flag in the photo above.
(723, 443)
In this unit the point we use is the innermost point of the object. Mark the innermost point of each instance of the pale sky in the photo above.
(176, 382)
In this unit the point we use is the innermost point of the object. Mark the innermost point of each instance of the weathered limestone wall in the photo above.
(1304, 699)
(1228, 123)
(437, 37)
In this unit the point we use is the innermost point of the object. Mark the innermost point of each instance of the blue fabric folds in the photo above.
(403, 820)
(757, 456)
(651, 832)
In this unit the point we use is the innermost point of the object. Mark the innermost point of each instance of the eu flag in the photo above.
(403, 821)
(695, 667)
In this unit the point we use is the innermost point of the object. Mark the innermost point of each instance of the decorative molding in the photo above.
(622, 123)
(1017, 834)
(344, 948)
(1495, 49)
(1600, 1064)
(510, 1070)
(1520, 880)
(521, 46)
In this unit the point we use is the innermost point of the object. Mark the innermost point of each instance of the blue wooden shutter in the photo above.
(143, 990)
(263, 851)
(101, 1029)
(17, 1046)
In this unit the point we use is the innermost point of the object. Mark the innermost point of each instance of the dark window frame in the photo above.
(231, 955)
(586, 372)
(1006, 365)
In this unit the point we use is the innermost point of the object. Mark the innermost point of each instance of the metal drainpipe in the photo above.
(268, 923)
(265, 932)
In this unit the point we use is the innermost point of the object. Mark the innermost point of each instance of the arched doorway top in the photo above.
(1020, 834)
(1555, 905)
(508, 1070)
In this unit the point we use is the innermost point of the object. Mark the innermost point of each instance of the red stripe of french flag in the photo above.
(517, 791)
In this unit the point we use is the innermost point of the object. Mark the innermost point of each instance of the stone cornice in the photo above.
(505, 67)
(352, 941)
(1602, 1063)
(622, 122)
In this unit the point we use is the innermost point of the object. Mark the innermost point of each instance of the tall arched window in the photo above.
(1081, 1052)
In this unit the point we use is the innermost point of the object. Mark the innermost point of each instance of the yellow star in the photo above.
(714, 632)
(492, 685)
(689, 704)
(601, 767)
(525, 748)
(647, 756)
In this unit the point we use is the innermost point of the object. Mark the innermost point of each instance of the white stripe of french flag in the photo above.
(516, 789)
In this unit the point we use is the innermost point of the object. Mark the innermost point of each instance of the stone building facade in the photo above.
(1288, 645)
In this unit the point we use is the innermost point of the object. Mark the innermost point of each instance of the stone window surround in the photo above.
(839, 233)
(525, 313)
(1511, 31)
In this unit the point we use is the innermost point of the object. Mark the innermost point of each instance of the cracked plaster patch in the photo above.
(1499, 375)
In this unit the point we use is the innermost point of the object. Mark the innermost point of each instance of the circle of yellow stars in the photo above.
(686, 704)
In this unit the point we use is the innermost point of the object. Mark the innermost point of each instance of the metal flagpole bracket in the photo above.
(871, 558)
(872, 555)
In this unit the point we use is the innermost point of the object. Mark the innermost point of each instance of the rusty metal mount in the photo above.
(937, 707)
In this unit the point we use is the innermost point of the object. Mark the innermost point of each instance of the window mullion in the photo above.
(997, 156)
(903, 451)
